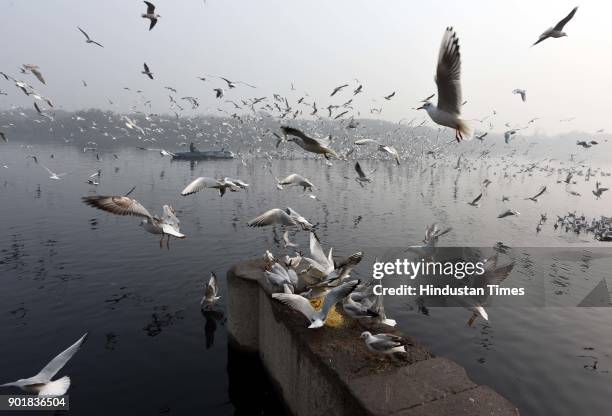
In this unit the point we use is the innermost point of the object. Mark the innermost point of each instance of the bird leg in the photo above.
(161, 242)
(168, 242)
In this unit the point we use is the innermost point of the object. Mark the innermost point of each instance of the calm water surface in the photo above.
(67, 268)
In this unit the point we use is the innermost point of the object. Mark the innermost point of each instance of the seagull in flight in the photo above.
(535, 197)
(232, 84)
(448, 80)
(388, 97)
(295, 180)
(88, 39)
(522, 93)
(362, 177)
(474, 202)
(222, 185)
(167, 225)
(287, 217)
(557, 31)
(308, 143)
(147, 72)
(382, 147)
(52, 175)
(41, 383)
(302, 305)
(211, 293)
(338, 89)
(34, 69)
(150, 14)
(508, 213)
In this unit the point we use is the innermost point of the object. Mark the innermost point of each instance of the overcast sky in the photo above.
(316, 45)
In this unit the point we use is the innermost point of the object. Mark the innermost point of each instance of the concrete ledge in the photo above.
(330, 371)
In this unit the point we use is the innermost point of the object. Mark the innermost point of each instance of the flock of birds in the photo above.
(303, 282)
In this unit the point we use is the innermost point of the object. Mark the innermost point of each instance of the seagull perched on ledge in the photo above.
(383, 343)
(448, 80)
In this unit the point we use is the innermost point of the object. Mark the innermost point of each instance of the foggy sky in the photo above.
(316, 45)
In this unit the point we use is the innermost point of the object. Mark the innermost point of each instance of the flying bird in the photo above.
(34, 69)
(522, 93)
(211, 293)
(222, 185)
(150, 14)
(448, 80)
(308, 143)
(535, 197)
(474, 202)
(88, 39)
(388, 97)
(167, 225)
(338, 89)
(146, 71)
(41, 383)
(276, 216)
(302, 305)
(508, 213)
(381, 147)
(557, 31)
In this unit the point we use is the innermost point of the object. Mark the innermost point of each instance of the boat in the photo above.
(203, 155)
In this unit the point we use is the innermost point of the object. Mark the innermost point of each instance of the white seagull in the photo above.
(383, 343)
(557, 31)
(41, 383)
(381, 147)
(302, 305)
(167, 225)
(448, 80)
(210, 293)
(287, 217)
(295, 180)
(88, 40)
(203, 182)
(308, 143)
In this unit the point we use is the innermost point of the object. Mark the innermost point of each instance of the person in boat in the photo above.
(192, 147)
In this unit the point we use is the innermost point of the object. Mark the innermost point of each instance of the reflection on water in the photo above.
(66, 268)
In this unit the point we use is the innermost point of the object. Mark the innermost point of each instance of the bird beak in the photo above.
(421, 107)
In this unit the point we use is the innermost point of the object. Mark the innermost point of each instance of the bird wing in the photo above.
(212, 288)
(83, 32)
(359, 170)
(563, 22)
(150, 7)
(56, 388)
(153, 23)
(119, 205)
(38, 74)
(146, 67)
(367, 141)
(317, 253)
(336, 295)
(296, 302)
(273, 216)
(540, 193)
(198, 184)
(477, 198)
(46, 374)
(170, 218)
(448, 74)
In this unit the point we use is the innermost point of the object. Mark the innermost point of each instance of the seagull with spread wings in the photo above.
(146, 71)
(167, 225)
(307, 143)
(88, 39)
(41, 383)
(150, 14)
(302, 305)
(276, 216)
(557, 31)
(381, 147)
(448, 80)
